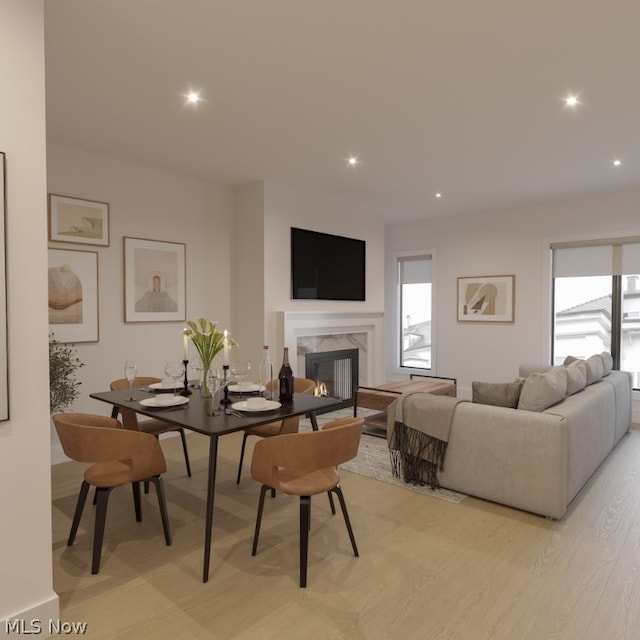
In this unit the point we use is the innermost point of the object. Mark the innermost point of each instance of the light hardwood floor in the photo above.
(428, 569)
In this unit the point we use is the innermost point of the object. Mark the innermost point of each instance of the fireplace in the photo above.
(337, 372)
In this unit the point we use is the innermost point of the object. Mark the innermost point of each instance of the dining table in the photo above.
(201, 415)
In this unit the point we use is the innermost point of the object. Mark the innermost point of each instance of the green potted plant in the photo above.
(63, 383)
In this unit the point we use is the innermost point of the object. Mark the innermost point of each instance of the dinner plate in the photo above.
(173, 402)
(165, 385)
(246, 387)
(269, 405)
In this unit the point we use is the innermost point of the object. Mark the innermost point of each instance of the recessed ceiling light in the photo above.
(438, 195)
(571, 101)
(193, 97)
(617, 163)
(352, 161)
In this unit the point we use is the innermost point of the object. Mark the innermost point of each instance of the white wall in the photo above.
(156, 205)
(286, 207)
(513, 241)
(25, 498)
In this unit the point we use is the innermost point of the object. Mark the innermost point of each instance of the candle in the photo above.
(185, 346)
(225, 344)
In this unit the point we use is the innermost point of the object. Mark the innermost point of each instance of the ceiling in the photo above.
(460, 97)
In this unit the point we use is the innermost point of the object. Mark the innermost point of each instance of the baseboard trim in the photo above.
(35, 619)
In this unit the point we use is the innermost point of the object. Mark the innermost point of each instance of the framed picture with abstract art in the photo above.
(73, 295)
(154, 281)
(4, 368)
(486, 299)
(78, 220)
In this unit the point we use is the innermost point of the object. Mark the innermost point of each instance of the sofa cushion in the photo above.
(498, 394)
(542, 390)
(607, 361)
(595, 368)
(576, 376)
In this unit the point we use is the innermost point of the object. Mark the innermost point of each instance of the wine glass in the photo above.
(214, 382)
(130, 372)
(198, 367)
(174, 370)
(240, 369)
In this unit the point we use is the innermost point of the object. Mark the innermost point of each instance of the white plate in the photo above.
(174, 402)
(269, 405)
(245, 387)
(165, 385)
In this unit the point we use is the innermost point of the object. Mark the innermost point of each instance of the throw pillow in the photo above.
(576, 376)
(569, 360)
(498, 394)
(595, 368)
(542, 390)
(607, 360)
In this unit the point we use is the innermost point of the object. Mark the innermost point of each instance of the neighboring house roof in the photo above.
(601, 304)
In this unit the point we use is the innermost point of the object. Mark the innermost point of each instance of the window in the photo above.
(414, 291)
(596, 301)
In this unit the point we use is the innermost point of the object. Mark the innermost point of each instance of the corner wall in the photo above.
(26, 583)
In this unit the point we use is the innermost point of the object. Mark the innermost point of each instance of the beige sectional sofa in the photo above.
(538, 460)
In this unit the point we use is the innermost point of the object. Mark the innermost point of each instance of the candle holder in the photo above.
(185, 391)
(225, 401)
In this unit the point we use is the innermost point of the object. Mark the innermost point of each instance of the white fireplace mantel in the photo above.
(297, 324)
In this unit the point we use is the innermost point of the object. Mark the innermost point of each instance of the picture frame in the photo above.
(486, 298)
(4, 353)
(73, 295)
(78, 220)
(154, 280)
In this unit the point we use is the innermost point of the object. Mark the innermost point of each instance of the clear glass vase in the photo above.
(204, 390)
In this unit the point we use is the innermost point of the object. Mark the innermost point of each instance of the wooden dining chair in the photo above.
(118, 457)
(304, 465)
(151, 426)
(288, 425)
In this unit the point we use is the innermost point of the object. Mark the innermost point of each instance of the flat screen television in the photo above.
(326, 267)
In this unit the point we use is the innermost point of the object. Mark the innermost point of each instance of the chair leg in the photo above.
(338, 491)
(331, 504)
(162, 503)
(98, 535)
(245, 435)
(305, 524)
(185, 451)
(82, 497)
(137, 503)
(256, 534)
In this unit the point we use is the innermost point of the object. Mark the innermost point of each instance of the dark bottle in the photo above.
(285, 378)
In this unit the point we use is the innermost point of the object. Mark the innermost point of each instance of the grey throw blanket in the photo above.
(418, 426)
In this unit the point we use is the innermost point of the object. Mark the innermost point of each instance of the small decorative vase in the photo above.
(204, 389)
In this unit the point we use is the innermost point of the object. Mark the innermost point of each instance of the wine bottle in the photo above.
(266, 372)
(285, 378)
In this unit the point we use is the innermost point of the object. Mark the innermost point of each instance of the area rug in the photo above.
(373, 461)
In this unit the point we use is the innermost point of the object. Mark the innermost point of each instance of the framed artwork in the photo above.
(78, 220)
(154, 281)
(4, 364)
(486, 299)
(73, 295)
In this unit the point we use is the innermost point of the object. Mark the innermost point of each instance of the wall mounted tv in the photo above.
(327, 267)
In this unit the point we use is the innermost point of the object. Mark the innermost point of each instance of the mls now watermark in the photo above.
(21, 626)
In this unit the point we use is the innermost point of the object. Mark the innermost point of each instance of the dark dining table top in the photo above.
(195, 415)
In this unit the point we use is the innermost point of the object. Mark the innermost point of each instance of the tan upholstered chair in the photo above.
(305, 464)
(154, 427)
(119, 457)
(288, 425)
